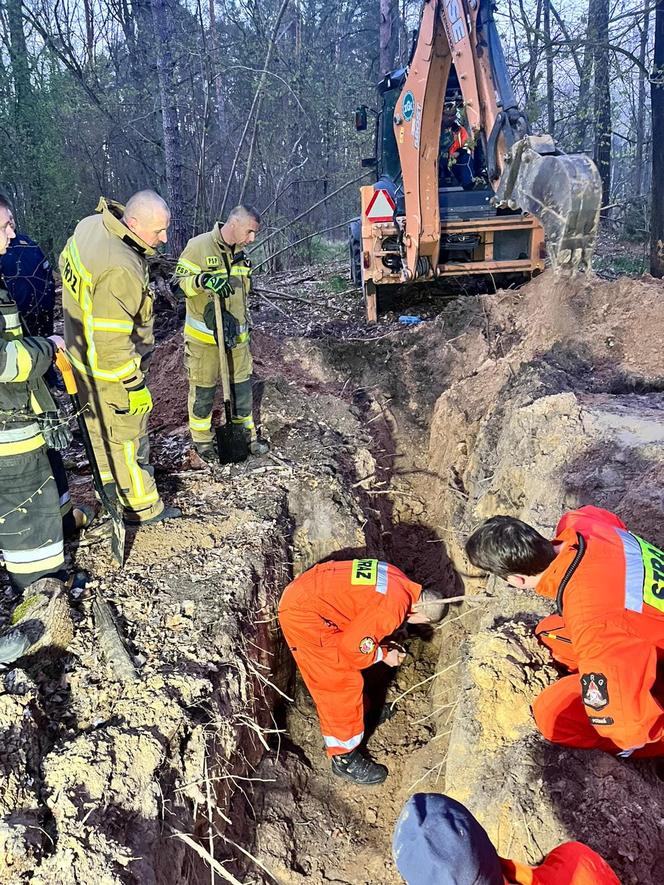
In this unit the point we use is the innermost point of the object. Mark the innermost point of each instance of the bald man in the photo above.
(215, 265)
(109, 336)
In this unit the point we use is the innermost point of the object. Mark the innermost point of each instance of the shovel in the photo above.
(117, 523)
(232, 442)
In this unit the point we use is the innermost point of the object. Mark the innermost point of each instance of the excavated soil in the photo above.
(386, 441)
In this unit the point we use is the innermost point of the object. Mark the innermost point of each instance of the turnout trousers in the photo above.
(122, 448)
(559, 710)
(204, 373)
(35, 513)
(336, 689)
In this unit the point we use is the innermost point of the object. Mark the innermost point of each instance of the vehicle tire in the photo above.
(355, 251)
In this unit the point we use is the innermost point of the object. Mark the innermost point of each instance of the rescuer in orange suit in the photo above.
(608, 630)
(437, 841)
(335, 617)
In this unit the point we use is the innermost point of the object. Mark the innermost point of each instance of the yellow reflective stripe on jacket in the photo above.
(238, 270)
(198, 331)
(18, 362)
(186, 268)
(124, 371)
(185, 273)
(100, 324)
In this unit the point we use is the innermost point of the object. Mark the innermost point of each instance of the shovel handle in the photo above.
(64, 367)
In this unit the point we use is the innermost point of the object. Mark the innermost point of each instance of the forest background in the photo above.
(213, 102)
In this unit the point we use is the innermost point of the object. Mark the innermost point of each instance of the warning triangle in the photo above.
(381, 208)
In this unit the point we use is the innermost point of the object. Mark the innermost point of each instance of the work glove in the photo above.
(140, 401)
(231, 325)
(214, 282)
(55, 431)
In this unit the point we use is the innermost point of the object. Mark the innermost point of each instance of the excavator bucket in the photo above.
(563, 191)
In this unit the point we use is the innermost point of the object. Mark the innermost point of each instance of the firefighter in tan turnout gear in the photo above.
(109, 333)
(35, 507)
(214, 265)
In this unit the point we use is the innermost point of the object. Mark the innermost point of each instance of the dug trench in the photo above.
(386, 442)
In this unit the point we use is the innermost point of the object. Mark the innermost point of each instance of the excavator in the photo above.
(524, 199)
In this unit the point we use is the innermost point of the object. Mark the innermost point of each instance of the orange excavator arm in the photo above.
(526, 172)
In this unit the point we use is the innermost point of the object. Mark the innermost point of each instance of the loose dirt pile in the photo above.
(386, 441)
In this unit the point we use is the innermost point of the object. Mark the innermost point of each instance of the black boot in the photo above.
(358, 768)
(207, 452)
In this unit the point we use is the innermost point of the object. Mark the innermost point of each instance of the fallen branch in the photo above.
(206, 856)
(423, 682)
(111, 641)
(276, 294)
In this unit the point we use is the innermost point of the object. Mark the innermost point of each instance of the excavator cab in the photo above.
(461, 187)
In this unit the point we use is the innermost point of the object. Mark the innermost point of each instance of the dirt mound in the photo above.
(387, 441)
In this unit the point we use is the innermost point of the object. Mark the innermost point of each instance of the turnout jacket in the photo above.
(209, 253)
(23, 391)
(350, 606)
(609, 587)
(108, 306)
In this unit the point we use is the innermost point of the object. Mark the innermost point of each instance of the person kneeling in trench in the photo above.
(608, 630)
(437, 841)
(334, 618)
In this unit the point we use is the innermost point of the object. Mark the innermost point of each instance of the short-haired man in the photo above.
(608, 631)
(437, 841)
(29, 280)
(335, 618)
(214, 265)
(109, 333)
(35, 507)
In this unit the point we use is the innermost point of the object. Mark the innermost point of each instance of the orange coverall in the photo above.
(609, 632)
(569, 864)
(334, 617)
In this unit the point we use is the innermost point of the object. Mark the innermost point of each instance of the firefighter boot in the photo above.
(207, 452)
(358, 768)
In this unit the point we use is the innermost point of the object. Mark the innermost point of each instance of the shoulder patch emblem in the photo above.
(212, 261)
(367, 645)
(595, 690)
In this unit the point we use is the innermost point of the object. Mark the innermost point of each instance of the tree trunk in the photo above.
(603, 128)
(26, 117)
(221, 115)
(583, 114)
(657, 102)
(550, 108)
(173, 161)
(641, 118)
(388, 35)
(532, 72)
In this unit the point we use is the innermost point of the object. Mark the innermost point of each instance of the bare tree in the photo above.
(388, 34)
(163, 28)
(657, 101)
(602, 97)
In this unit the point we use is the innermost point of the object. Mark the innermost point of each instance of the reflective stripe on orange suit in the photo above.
(614, 621)
(334, 617)
(570, 864)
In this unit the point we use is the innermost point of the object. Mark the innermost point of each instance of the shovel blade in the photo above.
(232, 444)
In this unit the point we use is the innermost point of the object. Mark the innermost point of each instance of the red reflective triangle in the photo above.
(381, 208)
